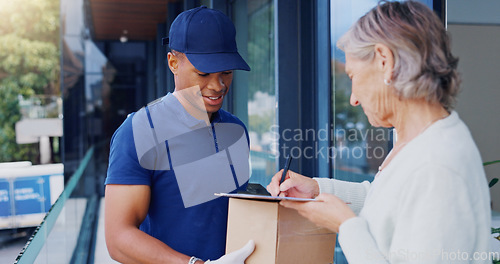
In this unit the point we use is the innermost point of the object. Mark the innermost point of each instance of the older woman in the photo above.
(429, 202)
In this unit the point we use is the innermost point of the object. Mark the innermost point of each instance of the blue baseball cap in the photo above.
(207, 38)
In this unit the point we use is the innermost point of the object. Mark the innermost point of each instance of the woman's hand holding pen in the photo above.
(295, 185)
(329, 211)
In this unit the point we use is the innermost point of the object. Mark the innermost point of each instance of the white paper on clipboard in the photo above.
(264, 197)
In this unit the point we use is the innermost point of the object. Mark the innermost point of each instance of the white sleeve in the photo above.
(434, 223)
(349, 192)
(358, 244)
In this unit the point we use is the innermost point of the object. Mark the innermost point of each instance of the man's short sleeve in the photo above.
(124, 167)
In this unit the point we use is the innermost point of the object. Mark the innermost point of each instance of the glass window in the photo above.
(358, 148)
(254, 91)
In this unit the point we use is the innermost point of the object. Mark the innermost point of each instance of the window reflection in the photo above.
(358, 148)
(258, 92)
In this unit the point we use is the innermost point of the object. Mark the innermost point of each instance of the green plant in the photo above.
(29, 65)
(496, 231)
(494, 181)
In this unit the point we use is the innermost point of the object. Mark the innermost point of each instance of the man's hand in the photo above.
(295, 185)
(237, 257)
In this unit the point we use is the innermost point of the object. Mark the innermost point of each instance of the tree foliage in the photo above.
(29, 64)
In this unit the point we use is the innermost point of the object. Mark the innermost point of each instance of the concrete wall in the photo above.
(478, 47)
(473, 12)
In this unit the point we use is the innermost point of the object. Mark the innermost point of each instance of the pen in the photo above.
(285, 170)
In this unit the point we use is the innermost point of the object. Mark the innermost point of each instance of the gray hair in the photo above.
(423, 64)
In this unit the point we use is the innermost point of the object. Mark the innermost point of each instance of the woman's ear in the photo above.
(173, 62)
(385, 60)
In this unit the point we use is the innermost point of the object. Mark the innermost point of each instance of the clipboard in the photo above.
(264, 197)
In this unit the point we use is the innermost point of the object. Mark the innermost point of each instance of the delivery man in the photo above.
(169, 158)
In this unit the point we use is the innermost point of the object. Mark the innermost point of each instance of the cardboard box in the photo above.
(281, 235)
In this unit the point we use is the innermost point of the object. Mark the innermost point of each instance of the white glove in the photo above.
(237, 257)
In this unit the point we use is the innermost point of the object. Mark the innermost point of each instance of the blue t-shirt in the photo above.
(180, 157)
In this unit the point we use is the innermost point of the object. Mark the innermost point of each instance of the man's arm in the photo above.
(126, 206)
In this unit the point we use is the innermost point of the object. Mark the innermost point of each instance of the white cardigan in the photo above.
(431, 204)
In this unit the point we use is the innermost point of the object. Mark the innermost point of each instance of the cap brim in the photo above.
(217, 62)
